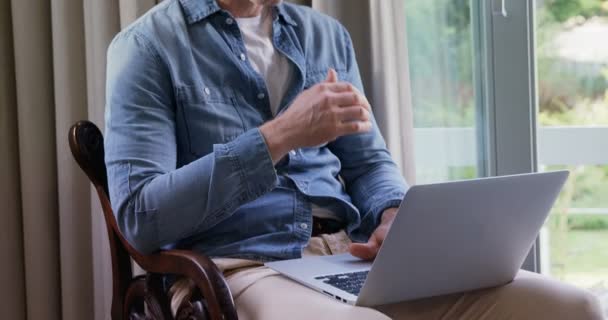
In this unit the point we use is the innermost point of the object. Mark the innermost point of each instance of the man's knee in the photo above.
(586, 305)
(542, 295)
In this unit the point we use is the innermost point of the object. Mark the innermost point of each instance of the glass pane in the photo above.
(440, 46)
(572, 61)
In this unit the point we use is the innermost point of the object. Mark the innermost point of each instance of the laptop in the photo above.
(446, 238)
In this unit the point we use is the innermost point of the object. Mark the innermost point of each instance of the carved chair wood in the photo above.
(144, 297)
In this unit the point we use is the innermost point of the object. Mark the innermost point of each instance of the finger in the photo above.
(347, 99)
(337, 86)
(353, 113)
(332, 76)
(354, 127)
(363, 97)
(365, 251)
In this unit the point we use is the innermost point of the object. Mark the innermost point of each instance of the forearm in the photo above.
(165, 207)
(381, 187)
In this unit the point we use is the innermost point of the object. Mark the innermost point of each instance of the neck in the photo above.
(241, 8)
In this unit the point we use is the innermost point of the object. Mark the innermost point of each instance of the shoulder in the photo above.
(158, 25)
(313, 22)
(323, 39)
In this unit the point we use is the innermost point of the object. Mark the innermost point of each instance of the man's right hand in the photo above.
(318, 115)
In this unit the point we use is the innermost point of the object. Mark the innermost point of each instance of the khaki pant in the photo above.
(263, 294)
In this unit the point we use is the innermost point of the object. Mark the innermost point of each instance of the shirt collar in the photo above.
(285, 16)
(197, 10)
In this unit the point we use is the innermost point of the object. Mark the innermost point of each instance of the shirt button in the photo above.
(207, 91)
(261, 95)
(243, 57)
(229, 21)
(303, 226)
(293, 153)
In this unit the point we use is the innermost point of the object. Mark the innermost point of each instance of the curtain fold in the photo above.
(390, 82)
(53, 55)
(132, 9)
(37, 156)
(102, 22)
(12, 297)
(73, 197)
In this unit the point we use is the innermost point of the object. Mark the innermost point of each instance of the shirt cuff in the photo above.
(373, 218)
(251, 159)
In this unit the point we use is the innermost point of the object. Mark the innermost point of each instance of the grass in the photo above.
(579, 256)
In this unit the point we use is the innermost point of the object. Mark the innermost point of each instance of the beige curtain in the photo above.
(55, 262)
(379, 36)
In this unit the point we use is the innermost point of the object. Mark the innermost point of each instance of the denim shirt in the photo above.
(187, 164)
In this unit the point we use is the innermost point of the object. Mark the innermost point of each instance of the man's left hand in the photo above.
(369, 250)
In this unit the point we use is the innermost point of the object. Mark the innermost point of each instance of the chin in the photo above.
(267, 2)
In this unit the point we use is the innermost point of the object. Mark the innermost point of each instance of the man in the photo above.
(238, 128)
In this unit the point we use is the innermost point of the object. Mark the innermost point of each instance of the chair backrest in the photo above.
(86, 144)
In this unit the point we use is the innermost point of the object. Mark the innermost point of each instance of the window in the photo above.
(441, 51)
(503, 87)
(572, 62)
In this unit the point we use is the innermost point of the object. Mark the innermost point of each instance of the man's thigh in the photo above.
(276, 298)
(529, 296)
(261, 293)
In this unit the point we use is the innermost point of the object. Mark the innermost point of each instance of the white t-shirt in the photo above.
(264, 58)
(274, 67)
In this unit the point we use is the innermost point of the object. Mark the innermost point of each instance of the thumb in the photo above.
(365, 251)
(332, 75)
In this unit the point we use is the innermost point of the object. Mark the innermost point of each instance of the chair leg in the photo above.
(134, 305)
(146, 299)
(157, 303)
(193, 307)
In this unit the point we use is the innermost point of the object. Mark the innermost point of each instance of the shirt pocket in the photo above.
(209, 116)
(316, 75)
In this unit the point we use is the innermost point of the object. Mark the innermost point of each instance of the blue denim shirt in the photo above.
(187, 164)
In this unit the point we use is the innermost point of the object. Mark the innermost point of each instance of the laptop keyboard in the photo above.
(350, 282)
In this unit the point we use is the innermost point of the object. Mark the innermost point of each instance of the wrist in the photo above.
(388, 215)
(277, 141)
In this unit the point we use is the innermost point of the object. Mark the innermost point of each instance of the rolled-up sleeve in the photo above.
(155, 202)
(371, 177)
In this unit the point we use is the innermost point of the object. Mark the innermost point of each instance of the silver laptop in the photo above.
(447, 237)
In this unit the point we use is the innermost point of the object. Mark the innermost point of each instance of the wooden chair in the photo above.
(131, 293)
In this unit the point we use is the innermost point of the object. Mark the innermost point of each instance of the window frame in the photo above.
(506, 84)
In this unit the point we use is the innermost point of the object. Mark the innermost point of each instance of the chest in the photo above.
(219, 94)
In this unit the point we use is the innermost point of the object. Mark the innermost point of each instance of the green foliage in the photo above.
(461, 173)
(590, 185)
(562, 10)
(587, 222)
(581, 222)
(441, 57)
(579, 256)
(585, 112)
(570, 92)
(441, 62)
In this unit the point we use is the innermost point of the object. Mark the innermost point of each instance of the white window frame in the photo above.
(506, 97)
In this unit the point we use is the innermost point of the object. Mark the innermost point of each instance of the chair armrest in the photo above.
(200, 269)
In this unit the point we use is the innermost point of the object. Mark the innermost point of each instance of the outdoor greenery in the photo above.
(575, 93)
(441, 62)
(570, 92)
